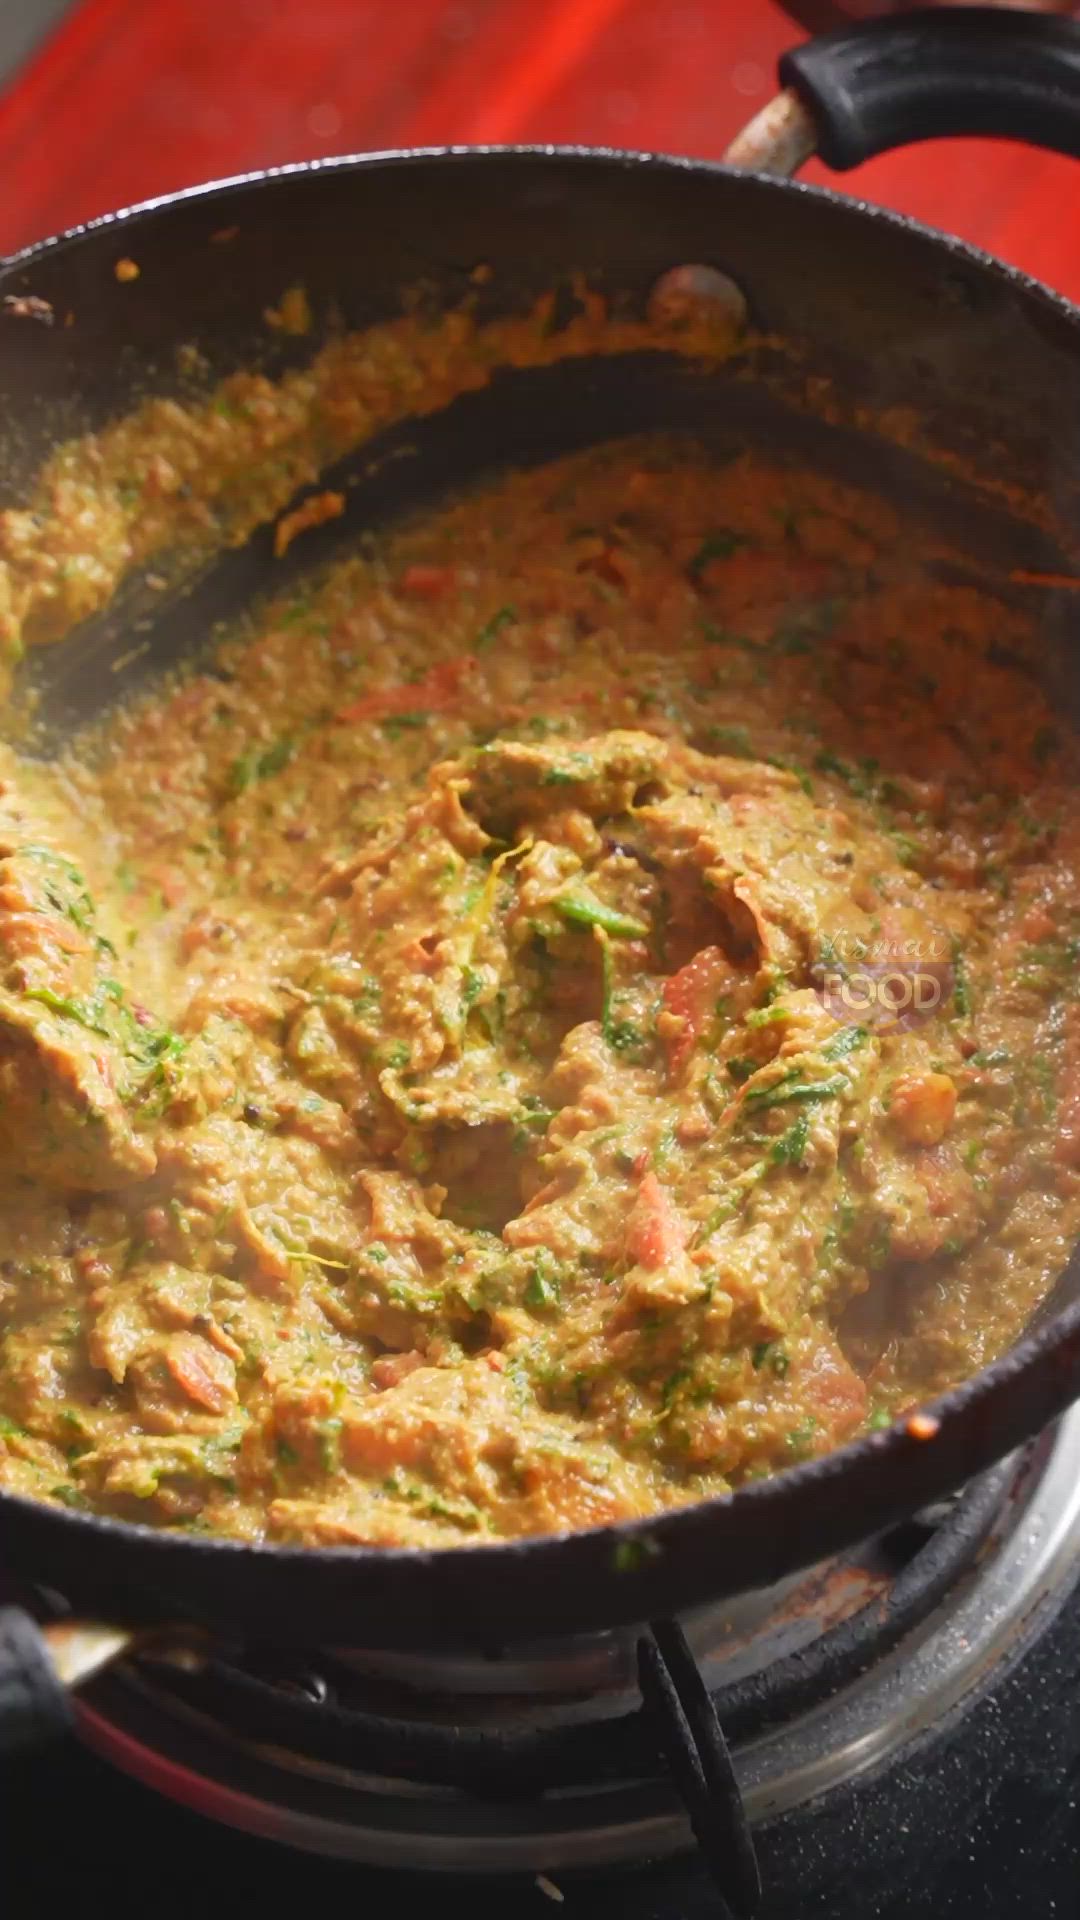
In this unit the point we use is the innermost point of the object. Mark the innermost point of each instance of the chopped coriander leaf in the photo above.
(765, 1016)
(791, 638)
(504, 617)
(848, 1040)
(881, 1244)
(663, 1149)
(85, 1012)
(168, 1049)
(671, 1386)
(791, 1088)
(789, 1149)
(276, 758)
(631, 1555)
(75, 904)
(862, 779)
(329, 1433)
(740, 1067)
(800, 1436)
(399, 723)
(733, 740)
(827, 762)
(770, 1353)
(472, 985)
(625, 1036)
(961, 984)
(584, 910)
(261, 763)
(541, 1288)
(732, 1201)
(718, 545)
(1044, 1081)
(243, 772)
(792, 767)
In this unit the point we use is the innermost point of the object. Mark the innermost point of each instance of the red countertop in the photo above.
(131, 98)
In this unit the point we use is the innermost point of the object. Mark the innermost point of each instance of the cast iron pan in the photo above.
(887, 310)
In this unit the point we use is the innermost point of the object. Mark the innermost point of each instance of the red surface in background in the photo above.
(136, 97)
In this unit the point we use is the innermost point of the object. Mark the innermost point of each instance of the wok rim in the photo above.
(628, 159)
(980, 1390)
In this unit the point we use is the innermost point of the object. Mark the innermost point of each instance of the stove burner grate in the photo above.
(601, 1751)
(691, 1739)
(276, 1698)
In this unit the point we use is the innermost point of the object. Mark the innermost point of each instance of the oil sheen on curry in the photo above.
(570, 1014)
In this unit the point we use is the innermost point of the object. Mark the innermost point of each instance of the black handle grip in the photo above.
(936, 72)
(34, 1705)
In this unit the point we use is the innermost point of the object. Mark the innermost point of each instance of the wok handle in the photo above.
(920, 76)
(38, 1667)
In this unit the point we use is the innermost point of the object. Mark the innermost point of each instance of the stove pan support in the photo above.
(688, 1733)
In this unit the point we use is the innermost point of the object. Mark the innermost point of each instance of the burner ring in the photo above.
(269, 1698)
(592, 1792)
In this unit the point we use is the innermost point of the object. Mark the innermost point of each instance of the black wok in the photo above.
(889, 313)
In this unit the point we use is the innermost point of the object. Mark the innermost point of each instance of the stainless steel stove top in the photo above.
(539, 1759)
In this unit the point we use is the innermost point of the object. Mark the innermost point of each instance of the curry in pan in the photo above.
(570, 1012)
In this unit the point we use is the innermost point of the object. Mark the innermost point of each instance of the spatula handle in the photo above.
(34, 1703)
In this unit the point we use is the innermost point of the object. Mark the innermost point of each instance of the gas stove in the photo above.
(889, 1733)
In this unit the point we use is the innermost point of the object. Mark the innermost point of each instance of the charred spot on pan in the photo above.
(563, 304)
(956, 289)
